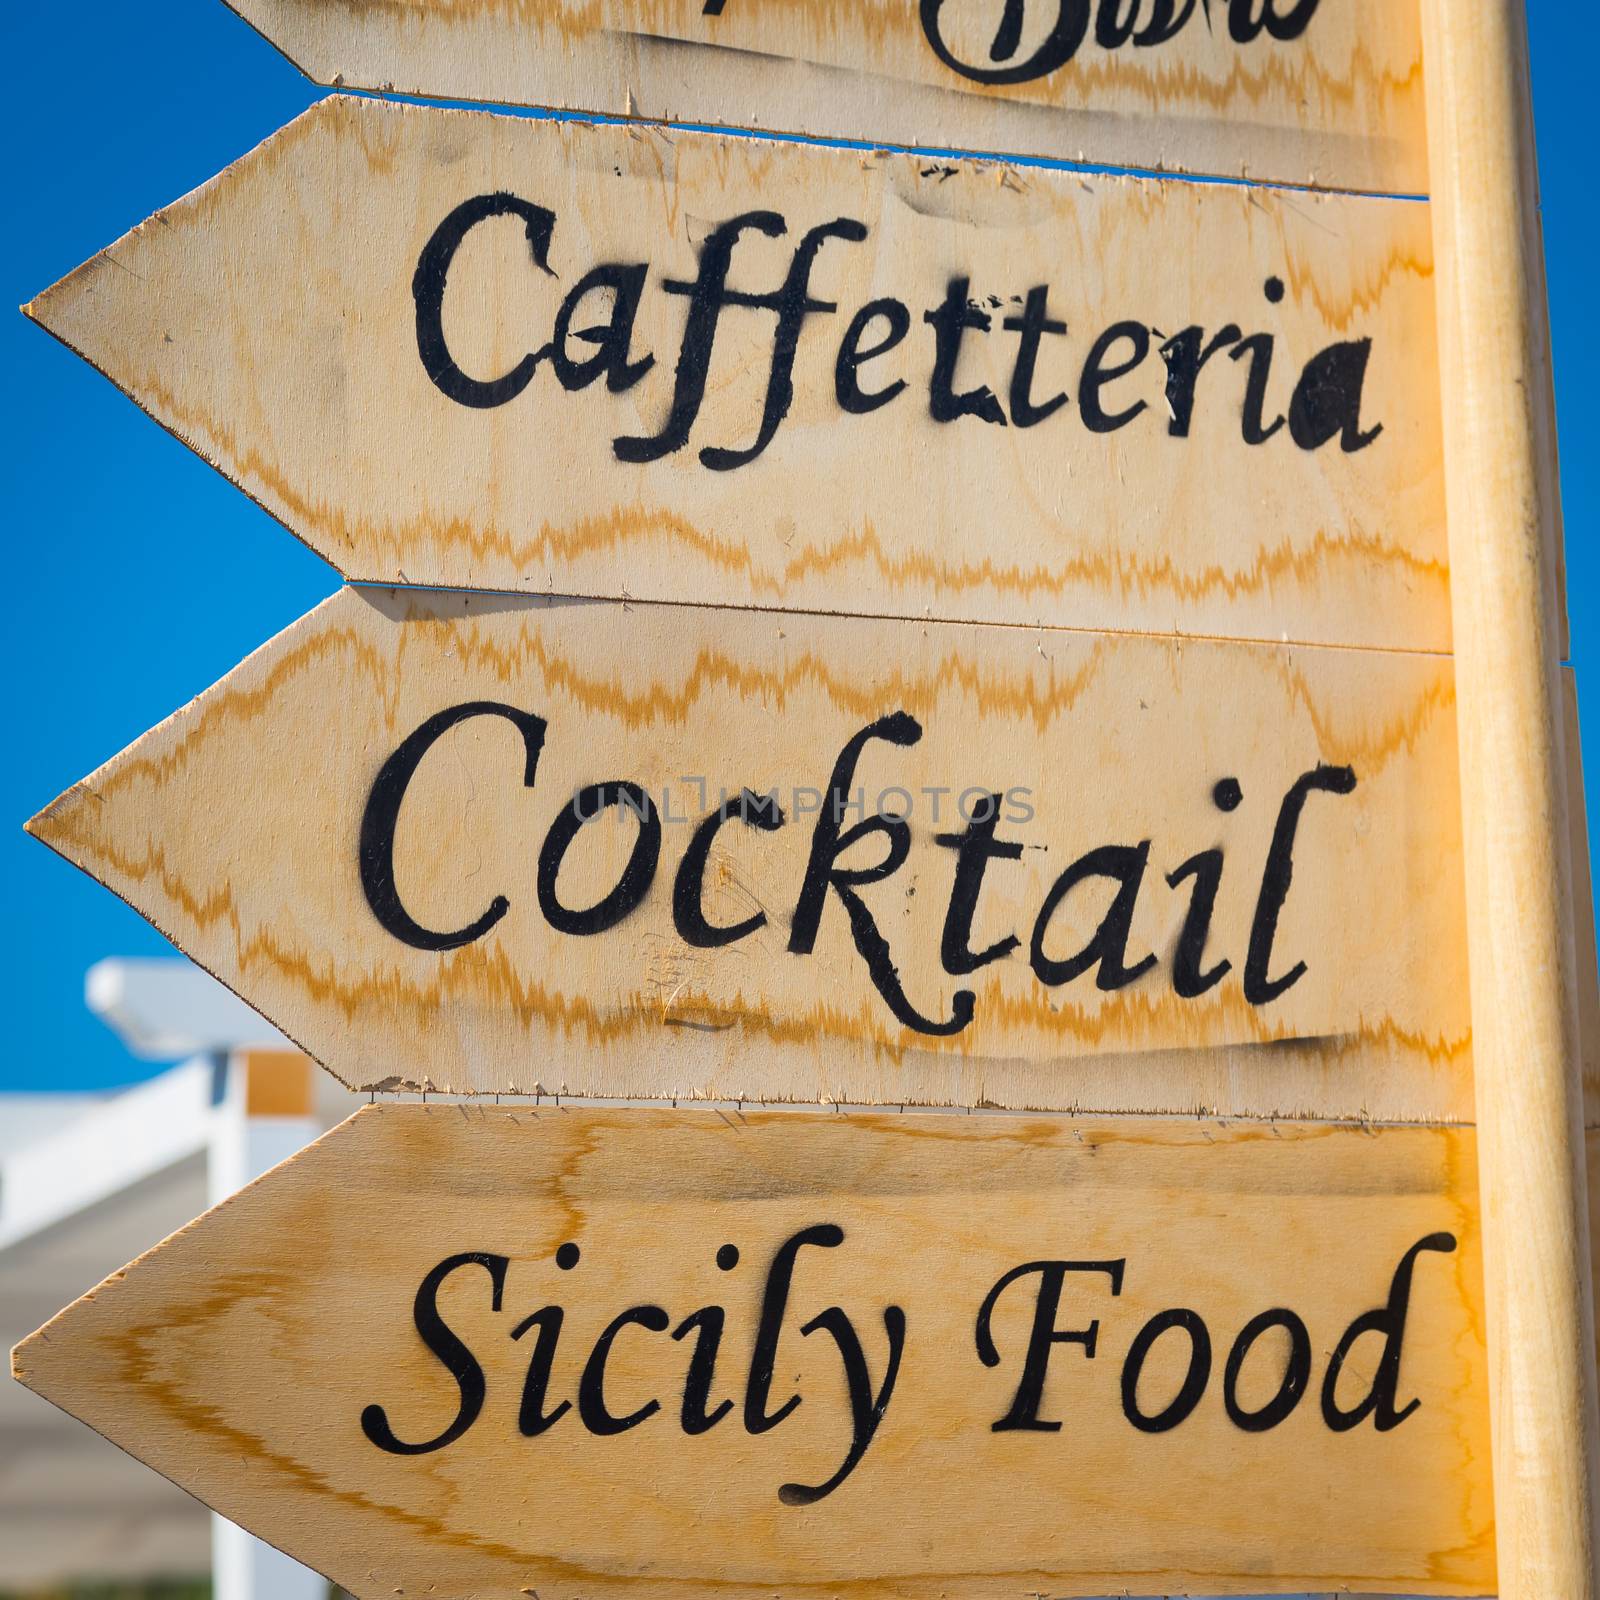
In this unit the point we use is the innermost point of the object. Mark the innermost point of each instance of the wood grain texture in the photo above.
(1583, 907)
(235, 827)
(1503, 500)
(239, 1357)
(1340, 104)
(269, 321)
(1591, 1147)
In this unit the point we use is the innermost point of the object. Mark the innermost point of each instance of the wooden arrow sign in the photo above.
(1293, 91)
(501, 1353)
(485, 352)
(493, 843)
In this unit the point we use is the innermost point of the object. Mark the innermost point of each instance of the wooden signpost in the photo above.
(839, 626)
(678, 366)
(1324, 92)
(491, 1352)
(653, 850)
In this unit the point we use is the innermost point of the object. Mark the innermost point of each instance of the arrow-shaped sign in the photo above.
(459, 1352)
(490, 843)
(1295, 91)
(486, 352)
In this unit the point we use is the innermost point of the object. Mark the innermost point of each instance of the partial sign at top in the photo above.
(473, 351)
(1322, 92)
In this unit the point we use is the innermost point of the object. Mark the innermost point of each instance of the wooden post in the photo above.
(1503, 524)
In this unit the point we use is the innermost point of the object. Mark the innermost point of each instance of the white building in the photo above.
(90, 1180)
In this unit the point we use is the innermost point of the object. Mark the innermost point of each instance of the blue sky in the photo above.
(143, 576)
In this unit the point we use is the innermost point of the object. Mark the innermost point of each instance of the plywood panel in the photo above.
(1217, 875)
(273, 1356)
(1327, 93)
(353, 324)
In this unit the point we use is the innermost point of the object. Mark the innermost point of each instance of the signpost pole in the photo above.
(1504, 526)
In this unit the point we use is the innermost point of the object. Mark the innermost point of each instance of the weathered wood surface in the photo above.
(244, 1357)
(271, 320)
(1326, 93)
(354, 831)
(1583, 909)
(1504, 496)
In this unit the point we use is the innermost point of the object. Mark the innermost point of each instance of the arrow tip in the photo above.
(25, 1354)
(37, 310)
(56, 308)
(55, 823)
(72, 825)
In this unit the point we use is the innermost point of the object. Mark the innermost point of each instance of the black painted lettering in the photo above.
(1023, 1415)
(1107, 950)
(637, 876)
(793, 305)
(1283, 19)
(688, 887)
(612, 339)
(1114, 22)
(950, 322)
(1066, 34)
(592, 1408)
(1195, 1378)
(1097, 374)
(428, 286)
(975, 849)
(708, 294)
(1296, 1372)
(866, 1407)
(828, 844)
(1033, 323)
(532, 1418)
(707, 1326)
(852, 357)
(774, 1303)
(1186, 355)
(451, 1354)
(1389, 1321)
(1166, 22)
(1327, 400)
(1190, 980)
(1253, 428)
(1259, 988)
(382, 816)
